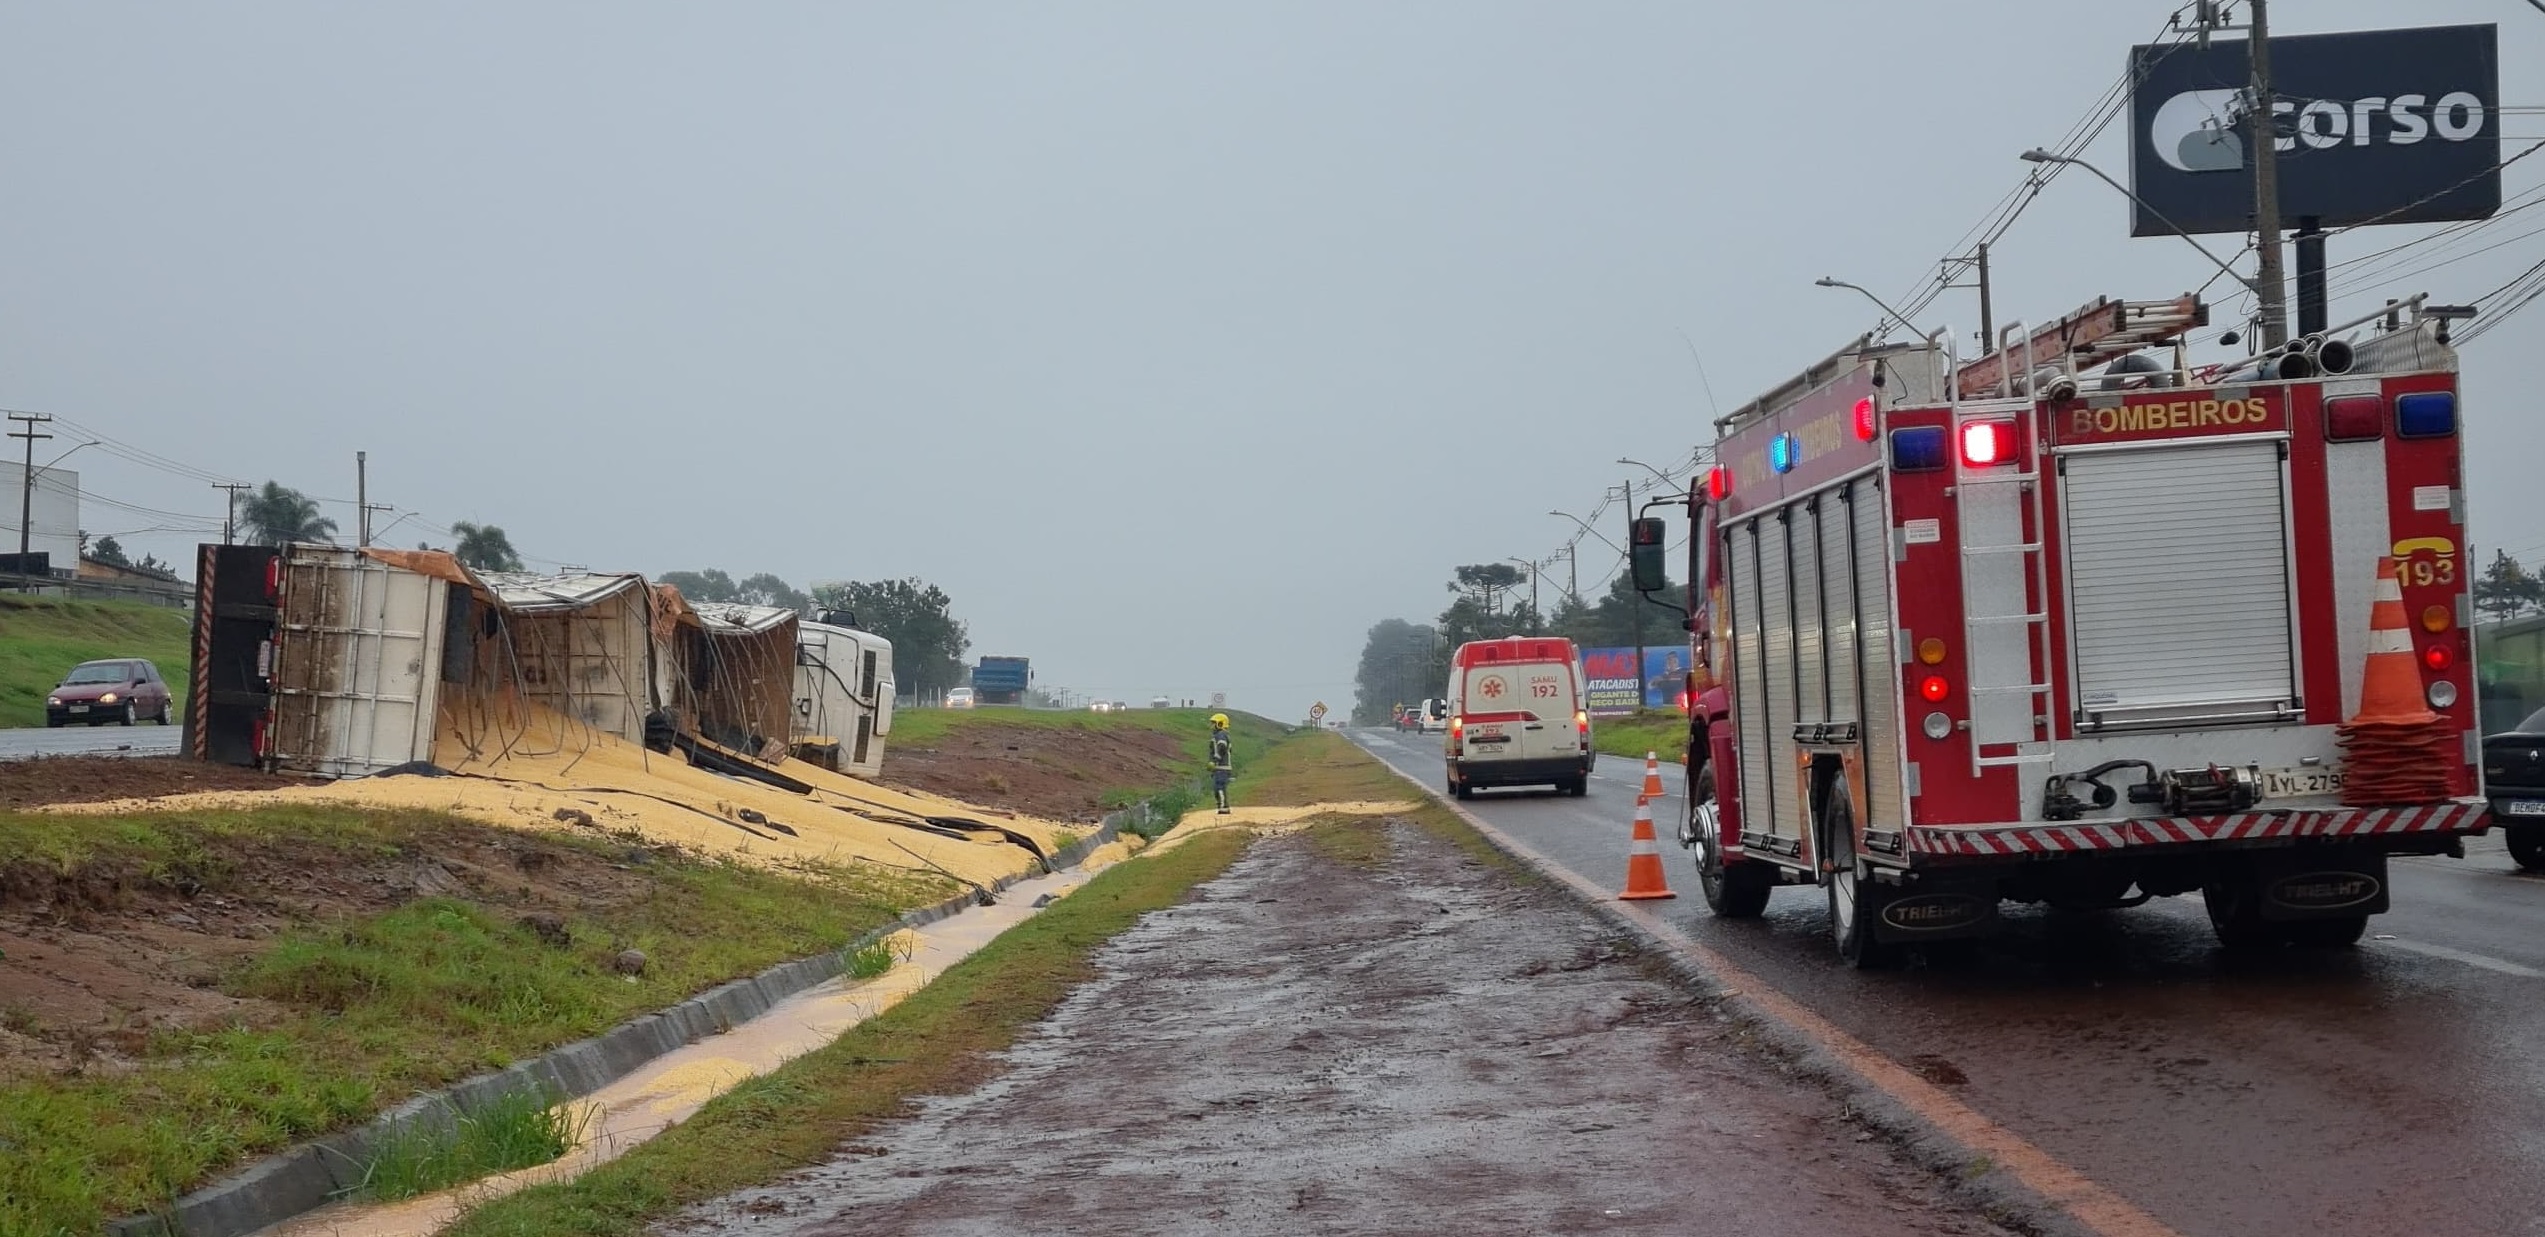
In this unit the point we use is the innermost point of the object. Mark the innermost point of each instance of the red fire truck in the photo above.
(2076, 622)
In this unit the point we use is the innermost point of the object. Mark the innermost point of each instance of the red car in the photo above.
(125, 689)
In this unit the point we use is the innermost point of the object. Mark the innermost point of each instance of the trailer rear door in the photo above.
(2179, 591)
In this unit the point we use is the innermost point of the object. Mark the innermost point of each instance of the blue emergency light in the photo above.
(1783, 452)
(2426, 414)
(1919, 448)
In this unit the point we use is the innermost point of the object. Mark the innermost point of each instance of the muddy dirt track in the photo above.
(1424, 1044)
(97, 779)
(1055, 772)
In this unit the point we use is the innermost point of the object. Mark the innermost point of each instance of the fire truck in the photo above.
(2077, 622)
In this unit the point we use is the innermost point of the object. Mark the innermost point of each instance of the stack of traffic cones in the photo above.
(2396, 750)
(1643, 859)
(1652, 776)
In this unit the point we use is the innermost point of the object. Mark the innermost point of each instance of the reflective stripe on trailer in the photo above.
(2456, 816)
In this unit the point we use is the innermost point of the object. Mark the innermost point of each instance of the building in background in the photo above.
(56, 516)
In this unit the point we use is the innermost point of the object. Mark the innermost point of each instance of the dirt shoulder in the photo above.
(1369, 1027)
(100, 779)
(1059, 766)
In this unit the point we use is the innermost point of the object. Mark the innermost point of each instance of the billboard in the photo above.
(56, 503)
(1665, 677)
(2375, 126)
(1611, 685)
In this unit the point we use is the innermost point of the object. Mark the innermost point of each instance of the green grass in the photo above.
(516, 1130)
(370, 1010)
(940, 1041)
(1664, 731)
(41, 637)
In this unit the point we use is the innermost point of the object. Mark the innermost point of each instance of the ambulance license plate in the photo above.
(1489, 738)
(2523, 807)
(2300, 783)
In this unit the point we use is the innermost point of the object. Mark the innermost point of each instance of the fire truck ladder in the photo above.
(2005, 580)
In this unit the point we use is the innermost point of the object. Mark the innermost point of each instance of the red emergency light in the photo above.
(1864, 420)
(1985, 443)
(2438, 658)
(1718, 484)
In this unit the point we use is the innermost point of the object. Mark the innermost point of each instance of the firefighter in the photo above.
(1220, 764)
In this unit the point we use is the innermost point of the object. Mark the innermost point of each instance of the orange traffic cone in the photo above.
(1643, 859)
(2395, 750)
(1652, 776)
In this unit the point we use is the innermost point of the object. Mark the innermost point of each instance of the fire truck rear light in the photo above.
(1718, 484)
(1919, 448)
(1931, 651)
(1936, 725)
(2354, 418)
(2436, 619)
(2438, 658)
(1988, 442)
(1864, 419)
(2442, 694)
(1934, 688)
(2426, 414)
(1783, 452)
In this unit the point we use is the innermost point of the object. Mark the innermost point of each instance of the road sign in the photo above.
(1219, 700)
(1317, 712)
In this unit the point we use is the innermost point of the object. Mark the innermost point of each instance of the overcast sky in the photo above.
(1179, 342)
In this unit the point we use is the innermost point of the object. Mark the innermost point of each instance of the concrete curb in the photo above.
(314, 1174)
(2001, 1198)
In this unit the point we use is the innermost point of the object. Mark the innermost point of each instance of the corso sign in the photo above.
(2390, 126)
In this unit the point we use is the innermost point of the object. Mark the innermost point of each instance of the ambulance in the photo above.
(2078, 622)
(1516, 716)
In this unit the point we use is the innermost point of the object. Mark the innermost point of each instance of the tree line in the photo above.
(1402, 662)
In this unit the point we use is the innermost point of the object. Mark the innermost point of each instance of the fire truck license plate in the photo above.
(2300, 783)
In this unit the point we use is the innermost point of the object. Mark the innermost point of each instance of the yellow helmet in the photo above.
(1219, 721)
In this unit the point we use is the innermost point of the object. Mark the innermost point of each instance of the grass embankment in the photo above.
(346, 1015)
(40, 637)
(1662, 731)
(1167, 799)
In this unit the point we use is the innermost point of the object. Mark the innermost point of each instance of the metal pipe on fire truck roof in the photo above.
(2038, 155)
(1829, 282)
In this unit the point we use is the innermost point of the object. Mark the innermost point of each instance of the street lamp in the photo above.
(1663, 477)
(1588, 529)
(2038, 155)
(1533, 584)
(1831, 282)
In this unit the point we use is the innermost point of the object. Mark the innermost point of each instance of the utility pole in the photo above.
(1987, 320)
(362, 497)
(229, 512)
(26, 494)
(1635, 607)
(2270, 289)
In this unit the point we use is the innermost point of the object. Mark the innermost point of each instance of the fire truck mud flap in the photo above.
(2317, 883)
(1931, 910)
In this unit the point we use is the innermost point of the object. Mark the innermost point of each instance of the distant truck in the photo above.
(1001, 680)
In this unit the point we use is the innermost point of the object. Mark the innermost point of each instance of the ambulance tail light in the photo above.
(1864, 419)
(2426, 414)
(1988, 443)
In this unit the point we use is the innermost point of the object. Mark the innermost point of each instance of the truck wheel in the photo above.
(2235, 912)
(1854, 902)
(2527, 846)
(2339, 933)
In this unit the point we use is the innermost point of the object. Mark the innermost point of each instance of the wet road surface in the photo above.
(2396, 1088)
(142, 740)
(1422, 1045)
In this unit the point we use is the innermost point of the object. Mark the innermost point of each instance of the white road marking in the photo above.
(2484, 961)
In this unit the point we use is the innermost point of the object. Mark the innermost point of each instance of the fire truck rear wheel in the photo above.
(1854, 902)
(2234, 900)
(2527, 846)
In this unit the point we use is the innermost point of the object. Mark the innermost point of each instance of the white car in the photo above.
(1101, 706)
(959, 698)
(1432, 717)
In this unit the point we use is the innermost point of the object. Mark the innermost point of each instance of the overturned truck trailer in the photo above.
(339, 662)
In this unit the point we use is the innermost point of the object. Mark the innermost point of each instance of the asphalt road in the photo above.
(142, 740)
(2395, 1088)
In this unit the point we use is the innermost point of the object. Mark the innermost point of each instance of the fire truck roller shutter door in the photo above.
(1811, 650)
(2179, 582)
(1776, 602)
(1749, 676)
(1838, 603)
(1883, 806)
